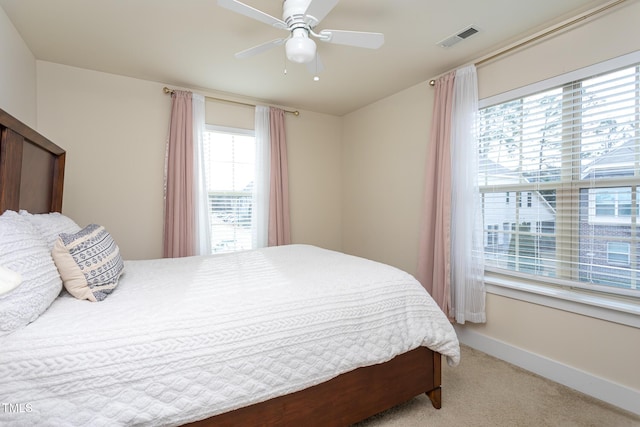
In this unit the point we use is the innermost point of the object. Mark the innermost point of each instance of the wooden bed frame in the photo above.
(31, 169)
(32, 178)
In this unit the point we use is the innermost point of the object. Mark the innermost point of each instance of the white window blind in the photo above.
(559, 177)
(230, 163)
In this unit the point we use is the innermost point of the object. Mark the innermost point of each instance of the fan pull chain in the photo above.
(285, 64)
(316, 77)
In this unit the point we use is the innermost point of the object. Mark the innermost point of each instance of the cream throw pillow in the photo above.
(89, 262)
(9, 280)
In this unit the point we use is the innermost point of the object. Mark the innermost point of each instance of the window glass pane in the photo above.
(624, 202)
(617, 248)
(220, 147)
(243, 175)
(220, 176)
(521, 141)
(541, 155)
(603, 253)
(611, 204)
(605, 202)
(523, 238)
(609, 124)
(231, 175)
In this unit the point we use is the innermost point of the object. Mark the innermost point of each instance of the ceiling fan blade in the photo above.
(259, 48)
(353, 38)
(252, 12)
(317, 10)
(316, 66)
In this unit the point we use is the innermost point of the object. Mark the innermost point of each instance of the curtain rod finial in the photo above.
(432, 82)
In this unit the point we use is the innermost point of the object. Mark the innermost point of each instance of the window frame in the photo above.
(556, 294)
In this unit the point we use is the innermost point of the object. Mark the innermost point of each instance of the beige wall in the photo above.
(315, 179)
(384, 152)
(114, 129)
(384, 148)
(17, 74)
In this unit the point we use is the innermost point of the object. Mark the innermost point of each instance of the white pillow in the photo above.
(51, 225)
(89, 262)
(23, 251)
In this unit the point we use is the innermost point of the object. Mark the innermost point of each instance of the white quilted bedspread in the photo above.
(184, 339)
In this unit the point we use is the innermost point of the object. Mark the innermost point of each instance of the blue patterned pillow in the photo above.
(89, 262)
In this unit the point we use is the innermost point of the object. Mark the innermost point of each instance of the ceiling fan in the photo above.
(300, 17)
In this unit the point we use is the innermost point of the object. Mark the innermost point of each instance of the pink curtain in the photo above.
(279, 228)
(179, 218)
(434, 261)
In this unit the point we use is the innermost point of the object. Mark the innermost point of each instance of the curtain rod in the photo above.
(169, 91)
(545, 34)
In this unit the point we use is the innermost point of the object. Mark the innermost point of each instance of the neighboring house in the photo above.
(507, 214)
(608, 217)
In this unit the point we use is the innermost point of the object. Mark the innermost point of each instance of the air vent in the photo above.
(461, 35)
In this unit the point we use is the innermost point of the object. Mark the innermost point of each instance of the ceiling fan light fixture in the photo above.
(300, 18)
(300, 48)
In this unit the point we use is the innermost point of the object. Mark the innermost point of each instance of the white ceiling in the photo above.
(191, 43)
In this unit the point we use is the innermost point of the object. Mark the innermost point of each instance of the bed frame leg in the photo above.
(436, 397)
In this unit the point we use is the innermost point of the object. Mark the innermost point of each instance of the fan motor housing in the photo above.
(293, 12)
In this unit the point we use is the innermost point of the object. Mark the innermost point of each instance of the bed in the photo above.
(293, 335)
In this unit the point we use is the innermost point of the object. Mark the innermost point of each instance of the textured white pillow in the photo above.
(89, 262)
(51, 225)
(23, 251)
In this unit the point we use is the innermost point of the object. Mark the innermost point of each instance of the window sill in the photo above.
(605, 307)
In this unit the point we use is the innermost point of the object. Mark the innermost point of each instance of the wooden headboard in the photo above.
(31, 169)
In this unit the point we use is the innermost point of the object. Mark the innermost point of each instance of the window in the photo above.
(529, 199)
(610, 205)
(618, 253)
(230, 163)
(570, 152)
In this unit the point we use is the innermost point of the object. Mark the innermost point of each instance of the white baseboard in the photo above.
(602, 389)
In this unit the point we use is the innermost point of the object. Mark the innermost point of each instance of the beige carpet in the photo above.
(485, 391)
